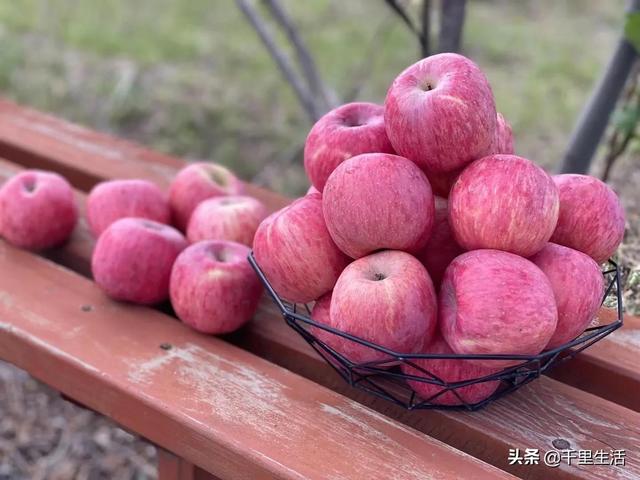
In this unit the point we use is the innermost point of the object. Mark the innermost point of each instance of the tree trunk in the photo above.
(451, 23)
(594, 118)
(286, 68)
(426, 20)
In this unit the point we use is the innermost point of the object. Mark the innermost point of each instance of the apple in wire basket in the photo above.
(386, 298)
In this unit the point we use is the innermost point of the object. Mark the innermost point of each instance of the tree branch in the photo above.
(304, 58)
(451, 24)
(287, 70)
(363, 70)
(406, 18)
(426, 21)
(594, 118)
(617, 143)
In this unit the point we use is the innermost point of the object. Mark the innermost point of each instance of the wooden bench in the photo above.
(590, 402)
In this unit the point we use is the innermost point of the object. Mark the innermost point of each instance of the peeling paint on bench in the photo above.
(234, 414)
(628, 338)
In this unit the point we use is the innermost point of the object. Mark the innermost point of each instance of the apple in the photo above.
(591, 216)
(578, 286)
(234, 218)
(295, 252)
(344, 132)
(213, 288)
(386, 298)
(503, 140)
(442, 182)
(353, 351)
(442, 247)
(449, 370)
(494, 302)
(197, 182)
(133, 257)
(378, 201)
(115, 199)
(320, 313)
(37, 210)
(503, 202)
(440, 113)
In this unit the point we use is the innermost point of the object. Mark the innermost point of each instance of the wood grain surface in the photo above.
(219, 407)
(532, 418)
(86, 157)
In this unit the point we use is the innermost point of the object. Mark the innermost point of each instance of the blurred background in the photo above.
(193, 78)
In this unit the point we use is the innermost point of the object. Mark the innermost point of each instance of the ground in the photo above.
(43, 437)
(625, 179)
(190, 78)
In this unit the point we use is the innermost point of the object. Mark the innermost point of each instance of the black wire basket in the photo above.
(388, 378)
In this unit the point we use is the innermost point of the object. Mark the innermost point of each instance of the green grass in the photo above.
(190, 77)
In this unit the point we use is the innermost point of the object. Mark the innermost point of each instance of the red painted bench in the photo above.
(160, 394)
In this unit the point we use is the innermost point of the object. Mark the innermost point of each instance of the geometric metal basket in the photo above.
(385, 378)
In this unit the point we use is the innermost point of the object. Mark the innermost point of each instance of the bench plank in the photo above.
(533, 417)
(35, 139)
(271, 338)
(220, 407)
(83, 156)
(486, 437)
(171, 467)
(609, 368)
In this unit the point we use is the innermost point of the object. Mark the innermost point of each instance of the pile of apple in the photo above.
(139, 256)
(503, 259)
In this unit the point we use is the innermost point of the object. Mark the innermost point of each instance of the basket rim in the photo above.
(291, 314)
(385, 379)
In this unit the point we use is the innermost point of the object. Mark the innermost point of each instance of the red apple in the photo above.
(440, 113)
(344, 132)
(116, 199)
(385, 298)
(578, 286)
(504, 137)
(442, 182)
(234, 218)
(502, 140)
(213, 287)
(37, 210)
(504, 202)
(133, 257)
(375, 201)
(591, 216)
(196, 183)
(494, 302)
(449, 371)
(312, 189)
(320, 314)
(442, 247)
(295, 251)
